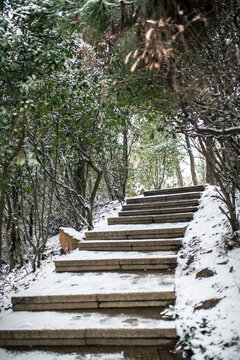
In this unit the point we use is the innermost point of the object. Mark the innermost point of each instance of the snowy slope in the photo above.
(213, 332)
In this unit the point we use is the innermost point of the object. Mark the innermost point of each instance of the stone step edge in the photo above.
(161, 205)
(163, 198)
(118, 261)
(70, 337)
(175, 190)
(163, 211)
(131, 245)
(90, 235)
(97, 298)
(151, 219)
(93, 301)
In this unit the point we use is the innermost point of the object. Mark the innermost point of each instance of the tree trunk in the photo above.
(125, 162)
(209, 174)
(179, 173)
(2, 205)
(192, 160)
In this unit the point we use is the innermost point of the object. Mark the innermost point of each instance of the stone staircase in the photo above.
(113, 291)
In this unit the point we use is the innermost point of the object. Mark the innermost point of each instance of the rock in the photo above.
(67, 242)
(204, 273)
(208, 304)
(190, 260)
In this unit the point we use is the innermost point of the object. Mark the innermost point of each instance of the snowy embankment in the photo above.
(207, 284)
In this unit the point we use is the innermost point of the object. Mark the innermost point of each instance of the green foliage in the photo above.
(154, 158)
(95, 12)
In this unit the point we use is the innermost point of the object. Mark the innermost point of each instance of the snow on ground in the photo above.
(207, 309)
(139, 226)
(11, 283)
(22, 278)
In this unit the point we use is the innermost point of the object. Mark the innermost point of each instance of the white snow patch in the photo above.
(140, 226)
(93, 255)
(47, 355)
(212, 333)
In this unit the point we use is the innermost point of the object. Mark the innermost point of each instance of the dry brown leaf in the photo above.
(148, 34)
(127, 57)
(152, 22)
(102, 81)
(180, 27)
(143, 54)
(102, 99)
(156, 65)
(146, 60)
(197, 17)
(135, 65)
(161, 23)
(160, 56)
(135, 53)
(151, 66)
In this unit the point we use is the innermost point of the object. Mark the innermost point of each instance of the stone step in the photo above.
(163, 198)
(131, 234)
(93, 301)
(175, 190)
(171, 210)
(132, 245)
(143, 264)
(152, 219)
(161, 205)
(83, 329)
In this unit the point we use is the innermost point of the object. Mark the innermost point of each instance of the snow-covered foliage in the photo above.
(207, 280)
(22, 278)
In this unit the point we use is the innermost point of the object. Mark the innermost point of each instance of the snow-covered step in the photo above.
(137, 233)
(94, 301)
(151, 219)
(93, 353)
(98, 283)
(161, 211)
(161, 205)
(74, 291)
(162, 198)
(88, 328)
(131, 245)
(178, 190)
(117, 264)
